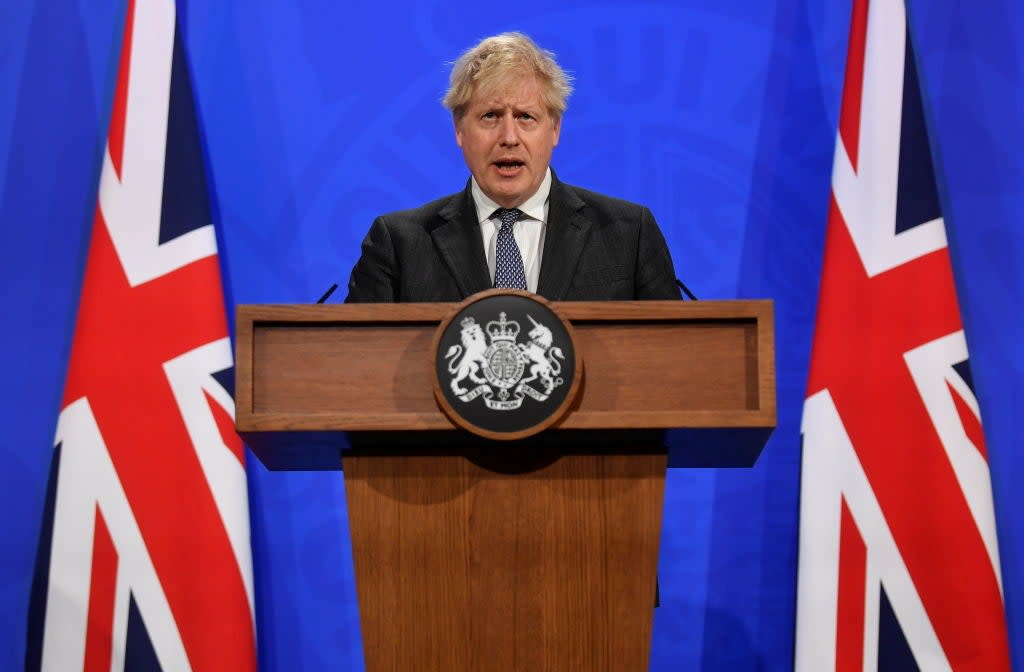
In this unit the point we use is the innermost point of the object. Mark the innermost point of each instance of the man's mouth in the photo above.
(509, 167)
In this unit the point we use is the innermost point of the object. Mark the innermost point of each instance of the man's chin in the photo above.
(508, 193)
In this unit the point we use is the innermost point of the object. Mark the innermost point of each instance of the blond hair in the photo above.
(497, 60)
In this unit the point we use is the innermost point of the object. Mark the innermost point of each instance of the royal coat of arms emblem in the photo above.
(505, 365)
(491, 363)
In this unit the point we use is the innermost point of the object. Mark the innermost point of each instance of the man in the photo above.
(515, 224)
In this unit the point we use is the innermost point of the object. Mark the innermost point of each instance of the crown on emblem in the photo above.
(502, 330)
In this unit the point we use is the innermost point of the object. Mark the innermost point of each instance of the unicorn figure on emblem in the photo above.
(542, 356)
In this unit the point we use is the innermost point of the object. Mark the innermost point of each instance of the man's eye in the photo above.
(526, 117)
(489, 115)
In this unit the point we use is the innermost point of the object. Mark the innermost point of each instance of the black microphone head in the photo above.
(686, 290)
(328, 293)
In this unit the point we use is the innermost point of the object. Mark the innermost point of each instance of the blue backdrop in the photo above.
(720, 116)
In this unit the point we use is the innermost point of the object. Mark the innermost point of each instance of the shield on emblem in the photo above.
(505, 364)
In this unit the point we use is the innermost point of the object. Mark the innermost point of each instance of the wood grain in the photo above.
(539, 555)
(655, 364)
(469, 567)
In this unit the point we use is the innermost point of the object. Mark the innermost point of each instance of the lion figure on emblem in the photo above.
(474, 344)
(541, 355)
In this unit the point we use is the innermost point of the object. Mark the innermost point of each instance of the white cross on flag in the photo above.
(899, 565)
(144, 558)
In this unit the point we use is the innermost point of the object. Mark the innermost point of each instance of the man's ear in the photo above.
(458, 130)
(557, 129)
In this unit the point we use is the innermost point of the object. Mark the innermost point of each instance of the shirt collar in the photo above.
(533, 207)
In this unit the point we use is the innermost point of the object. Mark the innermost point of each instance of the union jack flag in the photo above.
(899, 564)
(144, 557)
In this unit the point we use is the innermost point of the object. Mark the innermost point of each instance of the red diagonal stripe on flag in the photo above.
(118, 114)
(853, 560)
(849, 114)
(122, 339)
(102, 590)
(972, 427)
(865, 325)
(226, 427)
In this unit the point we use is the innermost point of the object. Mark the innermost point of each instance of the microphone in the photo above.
(330, 290)
(679, 282)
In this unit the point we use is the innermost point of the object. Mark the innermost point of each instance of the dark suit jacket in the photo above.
(595, 248)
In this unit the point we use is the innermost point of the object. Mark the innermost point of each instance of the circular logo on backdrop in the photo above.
(505, 365)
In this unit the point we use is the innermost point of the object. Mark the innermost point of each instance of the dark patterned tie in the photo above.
(508, 263)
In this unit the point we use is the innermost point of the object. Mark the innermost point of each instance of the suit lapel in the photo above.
(564, 239)
(459, 243)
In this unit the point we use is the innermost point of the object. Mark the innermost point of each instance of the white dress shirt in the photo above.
(528, 231)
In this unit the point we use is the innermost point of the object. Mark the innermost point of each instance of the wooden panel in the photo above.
(474, 567)
(657, 364)
(468, 558)
(369, 368)
(667, 366)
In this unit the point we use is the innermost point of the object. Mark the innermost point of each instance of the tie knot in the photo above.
(508, 216)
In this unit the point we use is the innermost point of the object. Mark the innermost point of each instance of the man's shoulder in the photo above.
(603, 203)
(427, 212)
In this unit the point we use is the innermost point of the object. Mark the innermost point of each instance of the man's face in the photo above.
(506, 137)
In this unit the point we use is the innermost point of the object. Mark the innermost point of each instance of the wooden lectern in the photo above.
(538, 554)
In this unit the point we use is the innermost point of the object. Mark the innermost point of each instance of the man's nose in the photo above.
(509, 130)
